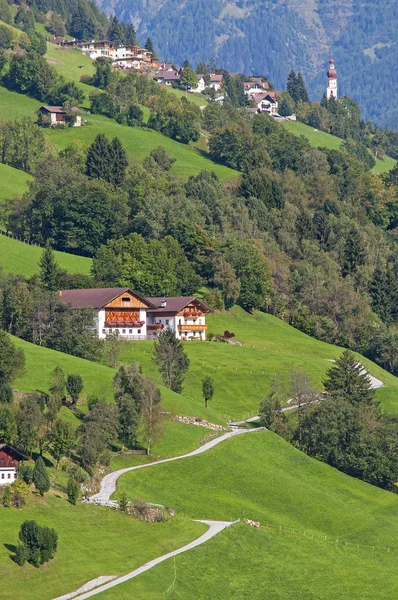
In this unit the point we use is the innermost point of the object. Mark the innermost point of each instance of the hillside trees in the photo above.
(171, 359)
(40, 476)
(177, 120)
(38, 544)
(22, 144)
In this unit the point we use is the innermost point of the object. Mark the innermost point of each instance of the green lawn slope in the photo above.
(92, 541)
(20, 258)
(261, 477)
(322, 139)
(13, 182)
(242, 373)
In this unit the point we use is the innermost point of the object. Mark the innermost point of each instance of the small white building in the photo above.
(94, 49)
(57, 116)
(216, 82)
(267, 103)
(255, 88)
(200, 87)
(124, 312)
(186, 315)
(9, 461)
(168, 77)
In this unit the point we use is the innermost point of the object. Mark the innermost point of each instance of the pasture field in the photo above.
(92, 541)
(12, 182)
(20, 258)
(261, 477)
(242, 374)
(138, 143)
(326, 140)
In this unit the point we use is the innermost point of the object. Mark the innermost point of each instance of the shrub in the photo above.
(40, 543)
(25, 472)
(73, 490)
(40, 476)
(21, 555)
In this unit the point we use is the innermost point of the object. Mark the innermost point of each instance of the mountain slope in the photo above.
(272, 38)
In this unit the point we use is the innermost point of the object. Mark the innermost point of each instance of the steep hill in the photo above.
(271, 38)
(261, 477)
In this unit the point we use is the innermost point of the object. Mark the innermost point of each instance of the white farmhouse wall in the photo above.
(7, 475)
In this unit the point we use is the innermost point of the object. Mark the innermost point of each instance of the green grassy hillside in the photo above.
(325, 140)
(139, 143)
(261, 477)
(93, 541)
(20, 258)
(13, 182)
(242, 373)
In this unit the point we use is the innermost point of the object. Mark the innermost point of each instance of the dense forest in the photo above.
(271, 38)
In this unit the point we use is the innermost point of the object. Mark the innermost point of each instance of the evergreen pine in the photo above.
(383, 290)
(301, 89)
(123, 503)
(171, 359)
(130, 37)
(98, 158)
(292, 86)
(73, 489)
(149, 46)
(353, 252)
(49, 270)
(348, 380)
(284, 108)
(118, 162)
(40, 476)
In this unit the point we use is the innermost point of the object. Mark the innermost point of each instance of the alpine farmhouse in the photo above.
(130, 315)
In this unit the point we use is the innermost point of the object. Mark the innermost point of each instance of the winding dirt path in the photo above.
(108, 487)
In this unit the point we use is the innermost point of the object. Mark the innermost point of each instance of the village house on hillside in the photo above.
(123, 57)
(123, 311)
(255, 88)
(9, 461)
(54, 116)
(266, 103)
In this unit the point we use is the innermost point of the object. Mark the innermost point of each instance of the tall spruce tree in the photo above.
(348, 380)
(149, 46)
(49, 270)
(118, 162)
(301, 89)
(98, 158)
(353, 252)
(292, 86)
(40, 476)
(171, 359)
(383, 290)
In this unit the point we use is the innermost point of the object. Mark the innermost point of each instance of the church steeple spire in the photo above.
(331, 90)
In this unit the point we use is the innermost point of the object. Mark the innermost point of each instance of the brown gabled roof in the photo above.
(97, 297)
(54, 109)
(14, 451)
(174, 304)
(216, 78)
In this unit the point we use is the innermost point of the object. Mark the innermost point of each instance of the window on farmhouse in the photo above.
(139, 331)
(126, 299)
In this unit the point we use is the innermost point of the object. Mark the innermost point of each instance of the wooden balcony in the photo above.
(155, 327)
(192, 327)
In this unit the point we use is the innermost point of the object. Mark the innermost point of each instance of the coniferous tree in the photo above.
(353, 252)
(171, 359)
(149, 46)
(118, 162)
(130, 37)
(128, 383)
(384, 294)
(40, 476)
(301, 89)
(74, 386)
(73, 490)
(285, 108)
(98, 158)
(292, 86)
(49, 270)
(348, 380)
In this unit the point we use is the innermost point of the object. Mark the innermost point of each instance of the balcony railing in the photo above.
(155, 327)
(124, 323)
(192, 327)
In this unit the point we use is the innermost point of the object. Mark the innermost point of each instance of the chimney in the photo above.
(163, 303)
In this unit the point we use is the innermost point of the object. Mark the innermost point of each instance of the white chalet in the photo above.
(123, 311)
(9, 461)
(200, 87)
(266, 103)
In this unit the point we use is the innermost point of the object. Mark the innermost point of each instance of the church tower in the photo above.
(331, 90)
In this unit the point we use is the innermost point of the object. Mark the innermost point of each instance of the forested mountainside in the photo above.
(273, 37)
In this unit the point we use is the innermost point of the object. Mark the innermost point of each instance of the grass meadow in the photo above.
(92, 541)
(242, 374)
(261, 477)
(326, 140)
(12, 182)
(20, 258)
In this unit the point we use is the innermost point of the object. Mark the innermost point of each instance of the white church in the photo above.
(331, 90)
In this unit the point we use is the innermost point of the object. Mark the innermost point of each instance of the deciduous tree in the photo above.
(171, 359)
